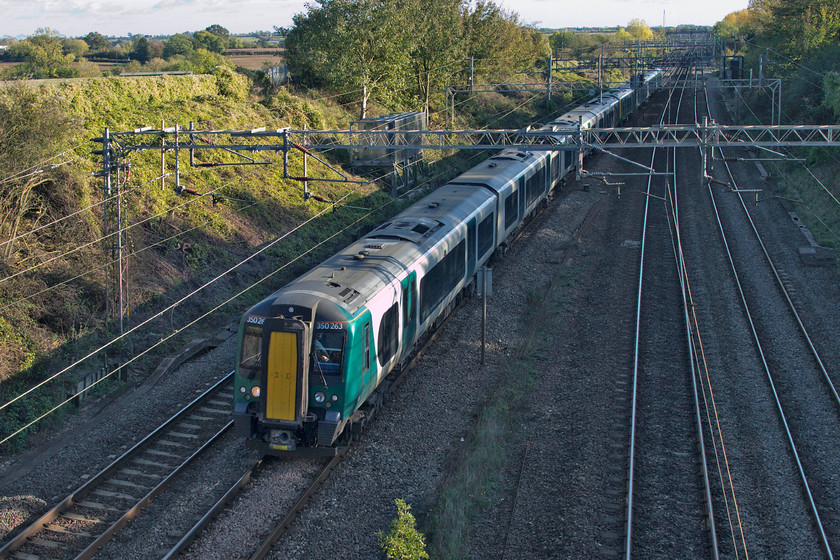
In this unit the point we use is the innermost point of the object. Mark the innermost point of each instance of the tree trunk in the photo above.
(364, 103)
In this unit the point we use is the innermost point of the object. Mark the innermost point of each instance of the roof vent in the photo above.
(431, 205)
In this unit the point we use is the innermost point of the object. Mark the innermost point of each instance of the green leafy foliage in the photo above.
(96, 42)
(403, 541)
(17, 350)
(43, 57)
(578, 42)
(179, 44)
(797, 27)
(397, 52)
(831, 85)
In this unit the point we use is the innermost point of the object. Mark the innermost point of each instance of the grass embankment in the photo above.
(477, 471)
(810, 184)
(813, 188)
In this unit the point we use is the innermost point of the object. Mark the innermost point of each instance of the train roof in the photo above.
(350, 278)
(498, 170)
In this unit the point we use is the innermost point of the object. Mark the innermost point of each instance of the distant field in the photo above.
(255, 59)
(252, 59)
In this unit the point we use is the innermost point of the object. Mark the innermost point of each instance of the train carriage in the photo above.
(312, 355)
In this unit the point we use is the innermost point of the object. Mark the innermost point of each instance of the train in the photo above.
(312, 355)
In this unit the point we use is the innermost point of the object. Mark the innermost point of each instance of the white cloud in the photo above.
(160, 17)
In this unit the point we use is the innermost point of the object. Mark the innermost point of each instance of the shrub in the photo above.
(403, 541)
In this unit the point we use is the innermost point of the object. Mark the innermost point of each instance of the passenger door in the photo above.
(409, 311)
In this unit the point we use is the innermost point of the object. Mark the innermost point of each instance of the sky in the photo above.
(74, 18)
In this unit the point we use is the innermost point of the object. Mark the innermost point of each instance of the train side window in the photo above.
(485, 235)
(367, 347)
(510, 210)
(412, 312)
(471, 243)
(441, 279)
(388, 335)
(405, 315)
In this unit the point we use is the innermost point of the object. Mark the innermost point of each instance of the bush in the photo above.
(403, 541)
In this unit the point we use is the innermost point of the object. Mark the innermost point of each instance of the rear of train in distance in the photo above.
(312, 355)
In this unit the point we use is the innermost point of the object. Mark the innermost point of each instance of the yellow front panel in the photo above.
(281, 392)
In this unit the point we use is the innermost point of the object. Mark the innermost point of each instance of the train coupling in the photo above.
(281, 440)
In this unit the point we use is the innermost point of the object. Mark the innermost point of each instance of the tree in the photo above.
(202, 61)
(639, 30)
(211, 41)
(140, 49)
(831, 85)
(399, 51)
(43, 56)
(178, 44)
(96, 42)
(155, 49)
(438, 41)
(801, 27)
(358, 46)
(77, 47)
(502, 45)
(622, 36)
(217, 29)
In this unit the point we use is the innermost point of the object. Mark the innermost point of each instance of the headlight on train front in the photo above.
(320, 397)
(255, 391)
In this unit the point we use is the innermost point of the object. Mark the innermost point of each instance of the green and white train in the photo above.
(312, 355)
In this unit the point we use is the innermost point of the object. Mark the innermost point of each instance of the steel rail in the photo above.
(683, 275)
(10, 547)
(628, 530)
(130, 514)
(211, 514)
(286, 522)
(813, 506)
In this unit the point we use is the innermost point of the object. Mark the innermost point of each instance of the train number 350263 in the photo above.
(329, 326)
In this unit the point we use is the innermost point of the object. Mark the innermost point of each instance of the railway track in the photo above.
(668, 498)
(89, 517)
(804, 393)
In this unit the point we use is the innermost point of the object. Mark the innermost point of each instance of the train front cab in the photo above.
(273, 379)
(291, 387)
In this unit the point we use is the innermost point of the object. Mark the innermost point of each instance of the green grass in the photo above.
(471, 486)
